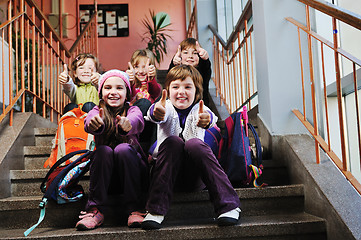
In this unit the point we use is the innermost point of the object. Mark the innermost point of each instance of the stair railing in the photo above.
(234, 66)
(192, 31)
(321, 106)
(32, 58)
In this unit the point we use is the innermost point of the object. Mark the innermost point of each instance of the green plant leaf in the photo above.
(157, 33)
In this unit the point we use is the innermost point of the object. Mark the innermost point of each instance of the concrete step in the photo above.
(34, 162)
(44, 136)
(27, 182)
(36, 151)
(260, 201)
(300, 226)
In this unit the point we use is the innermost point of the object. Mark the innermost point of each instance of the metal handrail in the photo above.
(34, 59)
(234, 65)
(337, 14)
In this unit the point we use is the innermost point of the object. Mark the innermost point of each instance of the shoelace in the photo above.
(84, 214)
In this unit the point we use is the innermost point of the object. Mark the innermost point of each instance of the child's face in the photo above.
(140, 70)
(114, 92)
(190, 56)
(84, 72)
(182, 93)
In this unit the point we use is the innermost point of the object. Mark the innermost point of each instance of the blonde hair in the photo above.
(79, 61)
(181, 72)
(137, 56)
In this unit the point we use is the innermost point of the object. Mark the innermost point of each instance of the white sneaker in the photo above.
(229, 218)
(152, 221)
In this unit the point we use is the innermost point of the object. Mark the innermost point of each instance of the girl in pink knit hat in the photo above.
(117, 164)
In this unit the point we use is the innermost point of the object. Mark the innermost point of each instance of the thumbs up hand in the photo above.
(131, 73)
(124, 123)
(204, 116)
(95, 78)
(201, 52)
(159, 108)
(151, 69)
(177, 59)
(97, 121)
(64, 76)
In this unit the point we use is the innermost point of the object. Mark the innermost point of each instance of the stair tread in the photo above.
(44, 131)
(271, 225)
(31, 202)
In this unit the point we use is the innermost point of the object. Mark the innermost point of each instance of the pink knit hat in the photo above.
(114, 73)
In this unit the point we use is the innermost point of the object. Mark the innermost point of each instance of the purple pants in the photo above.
(188, 166)
(120, 170)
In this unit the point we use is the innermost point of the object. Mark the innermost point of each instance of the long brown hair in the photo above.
(112, 135)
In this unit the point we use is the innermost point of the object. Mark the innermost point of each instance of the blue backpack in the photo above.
(234, 152)
(61, 183)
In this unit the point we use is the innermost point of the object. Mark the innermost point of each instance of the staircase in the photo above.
(274, 212)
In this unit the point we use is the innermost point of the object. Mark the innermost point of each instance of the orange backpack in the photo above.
(70, 136)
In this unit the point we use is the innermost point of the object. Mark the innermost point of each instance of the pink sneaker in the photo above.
(90, 220)
(135, 219)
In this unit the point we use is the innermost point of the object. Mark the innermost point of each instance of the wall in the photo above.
(115, 52)
(277, 60)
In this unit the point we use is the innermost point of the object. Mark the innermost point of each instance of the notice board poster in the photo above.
(113, 19)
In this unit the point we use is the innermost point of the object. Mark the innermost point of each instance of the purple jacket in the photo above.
(135, 117)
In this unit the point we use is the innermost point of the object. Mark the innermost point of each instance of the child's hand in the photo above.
(151, 69)
(123, 123)
(95, 78)
(64, 76)
(177, 58)
(97, 121)
(130, 72)
(204, 116)
(201, 52)
(159, 107)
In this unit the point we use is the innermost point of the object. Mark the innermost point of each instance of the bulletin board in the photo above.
(113, 19)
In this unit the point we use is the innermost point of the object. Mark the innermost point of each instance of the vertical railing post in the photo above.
(313, 92)
(11, 73)
(247, 63)
(34, 59)
(339, 96)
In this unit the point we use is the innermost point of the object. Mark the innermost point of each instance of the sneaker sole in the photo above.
(227, 221)
(150, 225)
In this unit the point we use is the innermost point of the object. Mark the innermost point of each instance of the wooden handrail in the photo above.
(45, 62)
(340, 56)
(56, 36)
(334, 11)
(79, 38)
(233, 60)
(246, 14)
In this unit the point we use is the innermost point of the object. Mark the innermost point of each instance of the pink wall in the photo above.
(115, 52)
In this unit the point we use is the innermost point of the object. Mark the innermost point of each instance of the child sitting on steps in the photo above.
(182, 160)
(118, 157)
(83, 90)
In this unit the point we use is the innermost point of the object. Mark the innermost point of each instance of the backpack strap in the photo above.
(42, 205)
(258, 144)
(54, 183)
(63, 172)
(59, 162)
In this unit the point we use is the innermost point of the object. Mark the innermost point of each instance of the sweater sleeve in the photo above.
(204, 68)
(69, 89)
(89, 116)
(171, 65)
(154, 89)
(136, 119)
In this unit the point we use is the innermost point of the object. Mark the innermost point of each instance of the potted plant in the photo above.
(156, 33)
